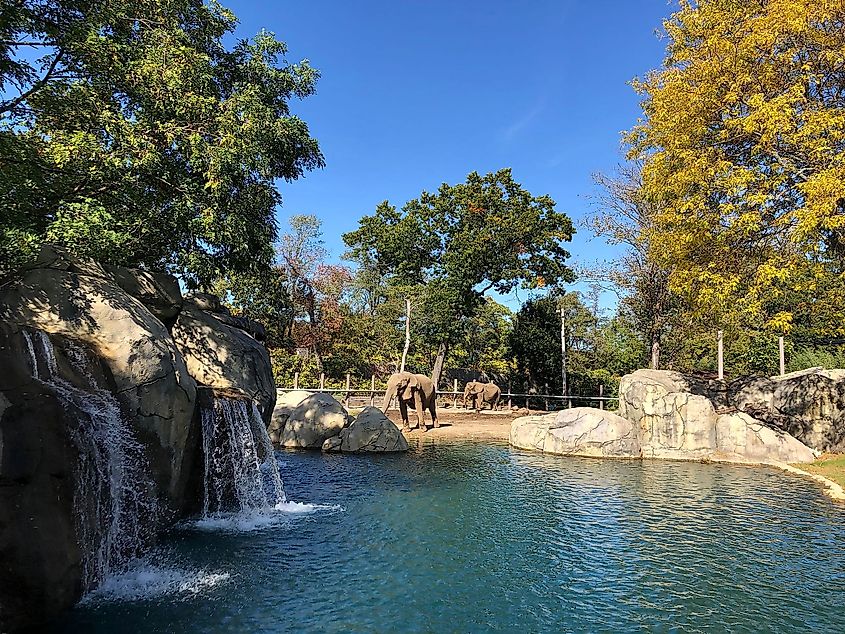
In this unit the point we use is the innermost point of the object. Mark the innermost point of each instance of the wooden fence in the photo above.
(372, 396)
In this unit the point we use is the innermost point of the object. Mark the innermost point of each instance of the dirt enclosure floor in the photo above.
(461, 424)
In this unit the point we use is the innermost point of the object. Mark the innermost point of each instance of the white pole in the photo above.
(407, 334)
(782, 356)
(721, 358)
(563, 349)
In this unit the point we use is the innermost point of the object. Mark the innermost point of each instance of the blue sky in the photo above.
(418, 93)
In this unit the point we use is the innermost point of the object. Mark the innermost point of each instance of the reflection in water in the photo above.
(473, 537)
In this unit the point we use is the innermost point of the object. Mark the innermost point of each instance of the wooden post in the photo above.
(546, 400)
(721, 358)
(296, 380)
(407, 335)
(601, 396)
(455, 395)
(322, 381)
(373, 390)
(348, 381)
(782, 356)
(510, 396)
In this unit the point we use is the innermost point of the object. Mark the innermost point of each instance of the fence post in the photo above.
(782, 356)
(601, 396)
(510, 396)
(455, 395)
(546, 399)
(322, 381)
(347, 389)
(372, 390)
(296, 380)
(721, 358)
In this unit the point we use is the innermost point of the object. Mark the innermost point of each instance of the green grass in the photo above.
(831, 466)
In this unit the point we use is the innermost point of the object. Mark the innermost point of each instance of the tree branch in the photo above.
(7, 106)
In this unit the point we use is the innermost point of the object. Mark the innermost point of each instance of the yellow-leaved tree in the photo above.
(743, 142)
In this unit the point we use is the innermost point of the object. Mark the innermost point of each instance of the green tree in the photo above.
(452, 246)
(130, 132)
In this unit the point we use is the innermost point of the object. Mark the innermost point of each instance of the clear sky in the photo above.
(416, 93)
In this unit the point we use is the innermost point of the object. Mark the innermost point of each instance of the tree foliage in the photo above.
(130, 132)
(744, 147)
(450, 247)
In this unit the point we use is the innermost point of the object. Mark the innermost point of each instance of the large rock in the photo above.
(79, 300)
(371, 431)
(811, 407)
(317, 418)
(221, 356)
(671, 422)
(286, 402)
(40, 561)
(581, 431)
(159, 292)
(738, 433)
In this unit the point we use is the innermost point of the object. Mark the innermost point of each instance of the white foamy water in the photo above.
(246, 522)
(145, 581)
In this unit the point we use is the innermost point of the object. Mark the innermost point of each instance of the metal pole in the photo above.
(510, 396)
(721, 357)
(296, 380)
(372, 390)
(782, 356)
(601, 394)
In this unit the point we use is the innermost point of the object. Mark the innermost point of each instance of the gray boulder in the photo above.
(371, 431)
(317, 418)
(220, 356)
(671, 422)
(286, 402)
(740, 434)
(159, 292)
(79, 300)
(580, 431)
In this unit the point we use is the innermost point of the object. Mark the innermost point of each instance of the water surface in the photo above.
(475, 538)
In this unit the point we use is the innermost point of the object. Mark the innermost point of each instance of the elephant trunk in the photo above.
(388, 396)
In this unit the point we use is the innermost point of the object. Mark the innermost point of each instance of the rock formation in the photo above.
(580, 431)
(286, 402)
(316, 418)
(371, 431)
(87, 349)
(664, 414)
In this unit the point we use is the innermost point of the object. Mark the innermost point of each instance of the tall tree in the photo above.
(130, 132)
(625, 215)
(315, 287)
(744, 145)
(487, 233)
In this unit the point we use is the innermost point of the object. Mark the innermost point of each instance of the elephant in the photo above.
(482, 393)
(412, 388)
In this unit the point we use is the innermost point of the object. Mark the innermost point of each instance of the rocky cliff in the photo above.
(100, 367)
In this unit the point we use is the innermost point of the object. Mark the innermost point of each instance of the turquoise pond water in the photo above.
(475, 538)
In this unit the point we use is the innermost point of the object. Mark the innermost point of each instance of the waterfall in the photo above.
(114, 510)
(241, 473)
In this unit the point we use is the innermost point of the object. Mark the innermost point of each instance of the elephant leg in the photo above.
(420, 413)
(432, 407)
(403, 410)
(496, 402)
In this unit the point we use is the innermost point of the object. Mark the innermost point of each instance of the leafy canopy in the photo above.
(130, 132)
(744, 146)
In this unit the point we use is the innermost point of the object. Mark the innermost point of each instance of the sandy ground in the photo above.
(460, 424)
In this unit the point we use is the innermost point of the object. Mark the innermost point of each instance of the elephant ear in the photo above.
(408, 392)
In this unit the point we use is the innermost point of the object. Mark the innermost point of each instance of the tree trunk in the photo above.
(438, 364)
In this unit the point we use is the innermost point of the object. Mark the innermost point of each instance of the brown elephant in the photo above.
(482, 393)
(417, 389)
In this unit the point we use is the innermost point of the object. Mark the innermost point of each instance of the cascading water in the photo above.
(114, 510)
(241, 473)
